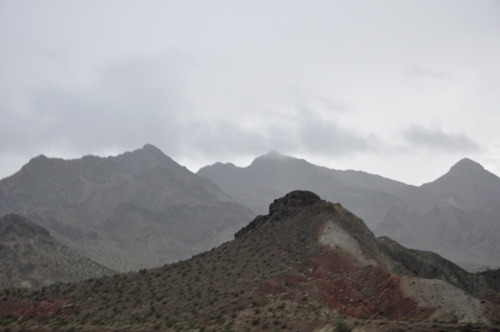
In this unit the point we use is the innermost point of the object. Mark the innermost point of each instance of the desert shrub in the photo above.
(98, 322)
(341, 326)
(61, 322)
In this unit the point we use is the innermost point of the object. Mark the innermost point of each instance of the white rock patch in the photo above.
(336, 237)
(450, 301)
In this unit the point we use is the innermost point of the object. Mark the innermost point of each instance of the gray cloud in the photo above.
(436, 139)
(134, 101)
(145, 100)
(303, 131)
(326, 80)
(416, 71)
(320, 135)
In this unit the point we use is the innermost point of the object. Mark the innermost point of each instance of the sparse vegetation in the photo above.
(341, 326)
(199, 294)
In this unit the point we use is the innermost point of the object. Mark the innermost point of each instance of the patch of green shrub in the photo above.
(341, 326)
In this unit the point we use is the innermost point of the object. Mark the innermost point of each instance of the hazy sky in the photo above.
(404, 89)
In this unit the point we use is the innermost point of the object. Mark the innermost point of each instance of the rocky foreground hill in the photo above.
(457, 215)
(30, 257)
(302, 267)
(139, 209)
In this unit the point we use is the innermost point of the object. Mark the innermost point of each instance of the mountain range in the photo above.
(142, 209)
(137, 210)
(457, 215)
(307, 265)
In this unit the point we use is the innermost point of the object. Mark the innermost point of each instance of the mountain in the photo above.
(139, 209)
(457, 215)
(30, 257)
(304, 266)
(273, 175)
(467, 185)
(463, 224)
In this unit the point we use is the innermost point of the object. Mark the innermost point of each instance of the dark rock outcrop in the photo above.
(293, 200)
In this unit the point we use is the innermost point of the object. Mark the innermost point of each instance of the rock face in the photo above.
(139, 209)
(301, 265)
(30, 257)
(457, 216)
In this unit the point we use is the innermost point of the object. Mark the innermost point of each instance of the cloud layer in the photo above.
(340, 84)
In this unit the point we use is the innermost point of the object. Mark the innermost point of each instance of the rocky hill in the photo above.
(302, 267)
(457, 216)
(139, 209)
(30, 257)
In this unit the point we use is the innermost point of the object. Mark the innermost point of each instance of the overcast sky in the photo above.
(403, 89)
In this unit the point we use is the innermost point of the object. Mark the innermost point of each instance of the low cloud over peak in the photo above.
(436, 139)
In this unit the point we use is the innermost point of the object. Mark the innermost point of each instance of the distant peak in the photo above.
(274, 153)
(150, 147)
(467, 165)
(40, 157)
(148, 150)
(38, 161)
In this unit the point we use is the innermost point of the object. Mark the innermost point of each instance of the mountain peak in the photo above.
(294, 199)
(274, 154)
(467, 165)
(150, 149)
(38, 159)
(149, 156)
(270, 157)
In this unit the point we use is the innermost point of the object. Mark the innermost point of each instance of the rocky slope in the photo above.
(470, 238)
(301, 267)
(139, 209)
(457, 216)
(30, 257)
